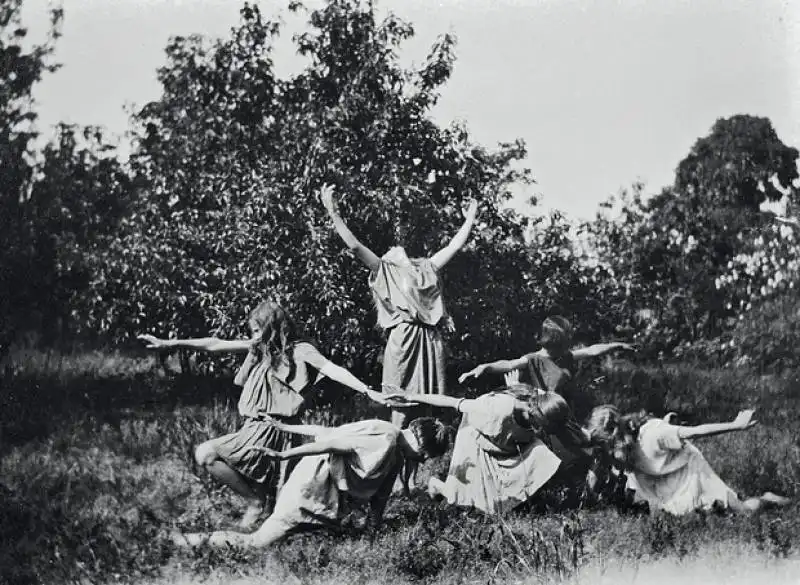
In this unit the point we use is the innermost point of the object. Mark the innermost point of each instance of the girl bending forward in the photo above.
(278, 370)
(360, 460)
(504, 451)
(665, 469)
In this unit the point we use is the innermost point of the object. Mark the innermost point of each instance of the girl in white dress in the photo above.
(665, 469)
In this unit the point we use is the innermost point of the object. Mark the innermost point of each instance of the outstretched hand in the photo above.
(473, 373)
(627, 347)
(271, 453)
(511, 378)
(744, 420)
(399, 400)
(328, 200)
(471, 211)
(152, 341)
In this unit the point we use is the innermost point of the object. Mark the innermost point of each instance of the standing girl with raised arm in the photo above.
(408, 296)
(278, 370)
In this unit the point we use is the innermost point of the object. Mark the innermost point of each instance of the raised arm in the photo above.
(446, 254)
(498, 367)
(743, 421)
(600, 349)
(209, 344)
(367, 256)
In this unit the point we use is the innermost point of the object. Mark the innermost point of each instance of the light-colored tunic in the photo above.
(408, 297)
(312, 494)
(277, 392)
(497, 464)
(671, 474)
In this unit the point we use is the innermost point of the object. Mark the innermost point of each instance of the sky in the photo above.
(604, 92)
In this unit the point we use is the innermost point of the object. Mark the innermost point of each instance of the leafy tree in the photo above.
(682, 241)
(80, 193)
(23, 262)
(233, 156)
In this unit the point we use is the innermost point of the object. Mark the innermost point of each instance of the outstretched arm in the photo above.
(438, 400)
(600, 349)
(498, 367)
(310, 354)
(305, 430)
(210, 344)
(341, 445)
(446, 254)
(743, 421)
(367, 256)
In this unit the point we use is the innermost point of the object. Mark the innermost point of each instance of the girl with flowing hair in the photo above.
(666, 470)
(277, 372)
(510, 444)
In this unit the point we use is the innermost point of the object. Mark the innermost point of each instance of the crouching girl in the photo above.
(360, 460)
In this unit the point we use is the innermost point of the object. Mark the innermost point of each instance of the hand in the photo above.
(473, 373)
(326, 196)
(787, 220)
(744, 420)
(627, 347)
(376, 396)
(271, 453)
(152, 341)
(511, 378)
(471, 211)
(399, 401)
(272, 421)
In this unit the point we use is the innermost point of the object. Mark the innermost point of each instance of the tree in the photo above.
(232, 157)
(23, 261)
(80, 194)
(683, 240)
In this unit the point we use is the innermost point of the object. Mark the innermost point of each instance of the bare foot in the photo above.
(251, 516)
(435, 487)
(775, 499)
(181, 540)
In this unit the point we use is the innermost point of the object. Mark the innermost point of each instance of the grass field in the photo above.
(96, 469)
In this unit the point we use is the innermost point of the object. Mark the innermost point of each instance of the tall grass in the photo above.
(97, 468)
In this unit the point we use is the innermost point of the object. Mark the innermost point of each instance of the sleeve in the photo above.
(495, 409)
(665, 436)
(309, 354)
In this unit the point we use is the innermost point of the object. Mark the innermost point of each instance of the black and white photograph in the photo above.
(366, 292)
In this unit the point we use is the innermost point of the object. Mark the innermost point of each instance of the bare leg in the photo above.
(269, 533)
(399, 419)
(755, 504)
(435, 487)
(207, 457)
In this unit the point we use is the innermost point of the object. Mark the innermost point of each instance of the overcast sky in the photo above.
(603, 92)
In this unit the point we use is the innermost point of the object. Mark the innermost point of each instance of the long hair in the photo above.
(616, 434)
(432, 435)
(551, 414)
(278, 335)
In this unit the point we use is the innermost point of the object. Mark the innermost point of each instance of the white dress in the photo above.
(497, 464)
(671, 474)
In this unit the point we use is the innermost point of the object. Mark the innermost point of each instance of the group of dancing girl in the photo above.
(511, 444)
